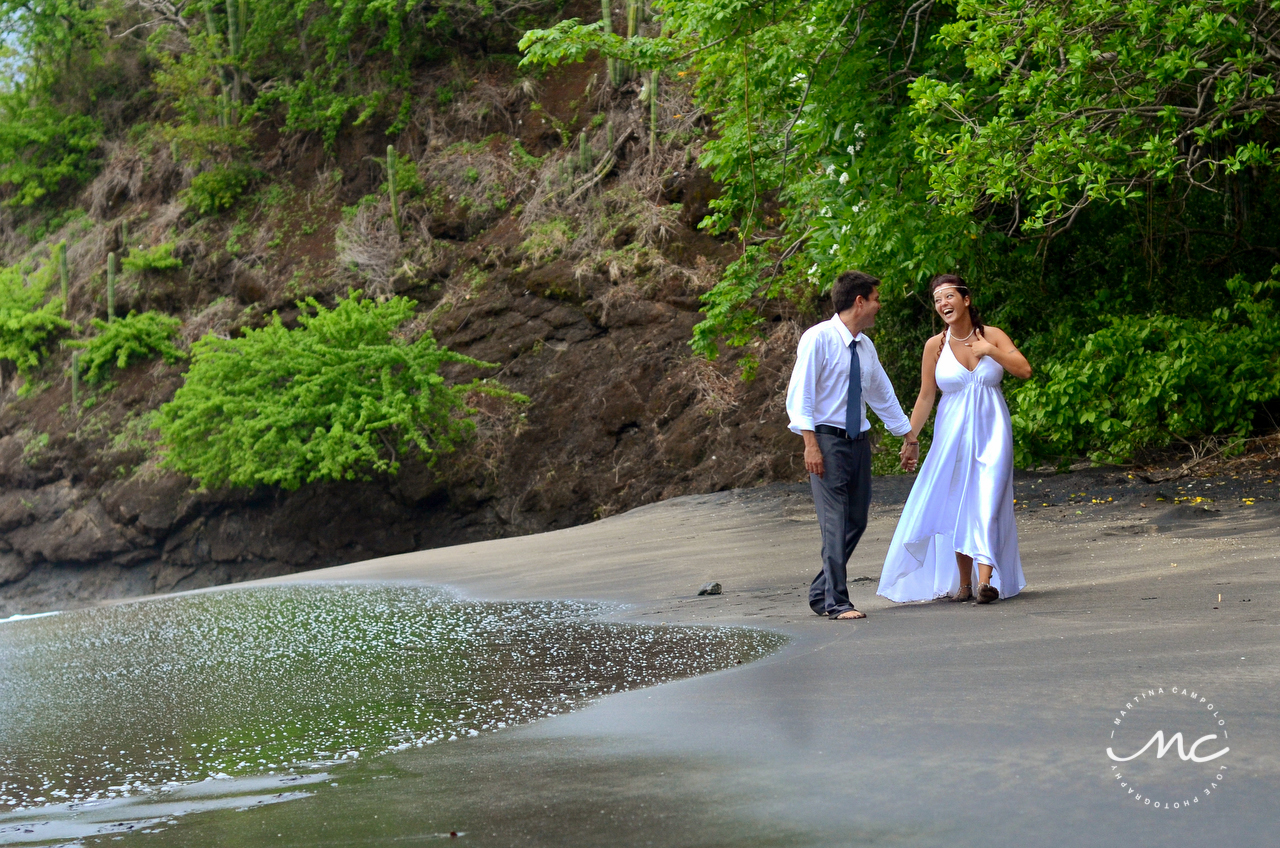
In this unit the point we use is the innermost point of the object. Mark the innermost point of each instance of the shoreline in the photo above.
(925, 724)
(870, 731)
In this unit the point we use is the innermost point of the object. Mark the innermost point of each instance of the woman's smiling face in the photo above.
(950, 304)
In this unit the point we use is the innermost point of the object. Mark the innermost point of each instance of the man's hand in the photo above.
(909, 455)
(812, 454)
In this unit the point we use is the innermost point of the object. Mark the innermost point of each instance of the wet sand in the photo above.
(926, 724)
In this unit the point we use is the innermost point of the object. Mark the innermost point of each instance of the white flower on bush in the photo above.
(844, 178)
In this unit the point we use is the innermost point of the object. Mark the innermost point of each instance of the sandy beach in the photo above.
(926, 724)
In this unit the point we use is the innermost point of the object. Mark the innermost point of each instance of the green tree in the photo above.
(1092, 101)
(43, 146)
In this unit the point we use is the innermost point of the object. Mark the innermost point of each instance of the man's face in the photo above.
(866, 309)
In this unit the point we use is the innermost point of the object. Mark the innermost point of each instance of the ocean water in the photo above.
(283, 685)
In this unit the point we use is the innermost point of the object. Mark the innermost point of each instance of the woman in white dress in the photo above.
(960, 510)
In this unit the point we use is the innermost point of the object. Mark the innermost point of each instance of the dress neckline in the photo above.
(947, 342)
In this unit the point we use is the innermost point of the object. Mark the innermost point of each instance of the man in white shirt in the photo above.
(837, 454)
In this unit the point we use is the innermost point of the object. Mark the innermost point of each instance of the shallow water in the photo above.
(144, 699)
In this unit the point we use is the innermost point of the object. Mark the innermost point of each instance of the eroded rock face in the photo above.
(620, 413)
(19, 507)
(78, 535)
(13, 567)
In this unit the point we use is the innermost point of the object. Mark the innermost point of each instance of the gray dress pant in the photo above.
(842, 497)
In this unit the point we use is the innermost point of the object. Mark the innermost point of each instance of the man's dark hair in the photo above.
(850, 286)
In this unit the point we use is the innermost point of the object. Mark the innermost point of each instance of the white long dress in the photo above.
(962, 499)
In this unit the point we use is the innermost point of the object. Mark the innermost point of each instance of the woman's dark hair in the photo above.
(954, 280)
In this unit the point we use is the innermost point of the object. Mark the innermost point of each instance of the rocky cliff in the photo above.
(580, 283)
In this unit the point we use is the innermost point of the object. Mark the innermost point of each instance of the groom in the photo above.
(836, 374)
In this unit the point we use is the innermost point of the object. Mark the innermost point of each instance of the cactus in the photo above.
(235, 36)
(62, 274)
(584, 152)
(653, 113)
(111, 286)
(391, 187)
(124, 235)
(606, 7)
(75, 382)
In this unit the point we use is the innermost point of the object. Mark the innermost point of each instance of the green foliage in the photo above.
(27, 324)
(1142, 382)
(45, 146)
(42, 150)
(317, 65)
(340, 397)
(158, 258)
(547, 239)
(1094, 101)
(408, 180)
(124, 341)
(812, 142)
(219, 188)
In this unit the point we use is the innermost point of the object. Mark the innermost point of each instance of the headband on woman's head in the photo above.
(960, 289)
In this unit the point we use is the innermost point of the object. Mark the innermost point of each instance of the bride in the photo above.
(960, 510)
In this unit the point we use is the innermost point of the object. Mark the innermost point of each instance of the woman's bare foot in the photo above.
(987, 593)
(965, 593)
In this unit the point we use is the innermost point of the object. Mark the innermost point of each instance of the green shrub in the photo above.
(338, 398)
(219, 188)
(43, 150)
(408, 180)
(548, 238)
(124, 341)
(158, 258)
(26, 326)
(1143, 382)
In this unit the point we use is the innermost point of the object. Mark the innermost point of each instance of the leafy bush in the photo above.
(127, 340)
(338, 398)
(158, 258)
(43, 150)
(25, 325)
(219, 188)
(1143, 382)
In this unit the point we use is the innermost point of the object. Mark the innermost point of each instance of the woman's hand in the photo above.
(980, 346)
(909, 455)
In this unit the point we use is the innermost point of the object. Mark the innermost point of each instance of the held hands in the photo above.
(981, 347)
(909, 455)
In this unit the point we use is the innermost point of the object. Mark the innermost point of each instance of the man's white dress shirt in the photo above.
(819, 389)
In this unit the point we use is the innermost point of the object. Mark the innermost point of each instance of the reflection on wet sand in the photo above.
(141, 700)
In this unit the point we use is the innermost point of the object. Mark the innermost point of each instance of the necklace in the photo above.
(971, 332)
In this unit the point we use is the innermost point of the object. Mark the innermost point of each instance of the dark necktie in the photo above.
(853, 412)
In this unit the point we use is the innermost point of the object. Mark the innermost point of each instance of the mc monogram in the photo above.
(1162, 748)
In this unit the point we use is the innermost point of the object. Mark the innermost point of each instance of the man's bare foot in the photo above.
(849, 615)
